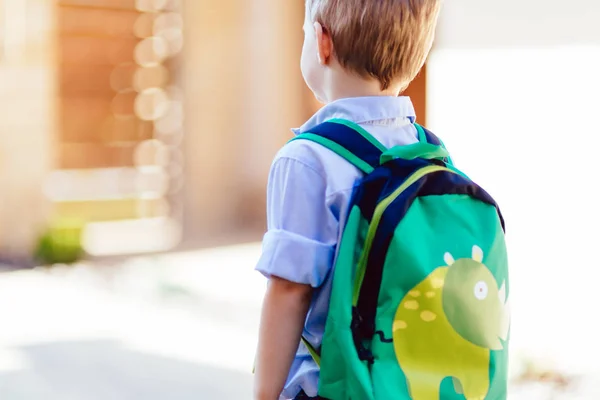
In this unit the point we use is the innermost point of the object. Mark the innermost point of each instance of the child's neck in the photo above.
(340, 84)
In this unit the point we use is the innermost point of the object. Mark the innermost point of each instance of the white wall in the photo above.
(515, 95)
(535, 23)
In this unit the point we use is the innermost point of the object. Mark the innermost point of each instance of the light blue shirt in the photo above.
(308, 196)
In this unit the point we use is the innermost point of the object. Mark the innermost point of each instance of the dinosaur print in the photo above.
(447, 325)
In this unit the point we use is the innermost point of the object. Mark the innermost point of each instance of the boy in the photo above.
(358, 56)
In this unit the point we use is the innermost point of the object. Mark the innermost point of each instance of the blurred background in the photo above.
(135, 142)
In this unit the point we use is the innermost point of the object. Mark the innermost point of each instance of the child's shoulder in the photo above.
(312, 160)
(304, 152)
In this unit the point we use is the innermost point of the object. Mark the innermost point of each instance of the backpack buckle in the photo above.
(358, 334)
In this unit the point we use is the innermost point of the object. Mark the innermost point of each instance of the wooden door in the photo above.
(120, 115)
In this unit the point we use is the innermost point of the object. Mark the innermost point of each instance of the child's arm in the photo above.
(298, 252)
(283, 315)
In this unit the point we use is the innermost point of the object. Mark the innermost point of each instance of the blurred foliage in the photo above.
(61, 243)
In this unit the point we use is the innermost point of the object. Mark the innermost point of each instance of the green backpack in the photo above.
(419, 304)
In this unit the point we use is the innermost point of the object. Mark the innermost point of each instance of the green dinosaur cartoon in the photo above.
(447, 325)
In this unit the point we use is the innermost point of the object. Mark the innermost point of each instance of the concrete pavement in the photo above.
(176, 326)
(150, 328)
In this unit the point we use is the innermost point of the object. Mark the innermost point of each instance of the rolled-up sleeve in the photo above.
(299, 245)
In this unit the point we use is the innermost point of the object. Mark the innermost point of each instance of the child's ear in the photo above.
(324, 44)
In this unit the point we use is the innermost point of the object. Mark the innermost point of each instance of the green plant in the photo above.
(60, 243)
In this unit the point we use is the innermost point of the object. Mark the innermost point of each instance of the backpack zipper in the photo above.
(378, 214)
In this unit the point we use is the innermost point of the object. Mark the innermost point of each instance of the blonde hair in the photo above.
(388, 40)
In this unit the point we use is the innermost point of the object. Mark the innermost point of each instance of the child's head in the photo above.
(379, 43)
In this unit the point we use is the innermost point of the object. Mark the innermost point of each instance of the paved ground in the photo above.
(179, 326)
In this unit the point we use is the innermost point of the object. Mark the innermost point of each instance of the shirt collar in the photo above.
(364, 110)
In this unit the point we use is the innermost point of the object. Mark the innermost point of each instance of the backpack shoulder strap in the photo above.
(348, 140)
(428, 136)
(353, 143)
